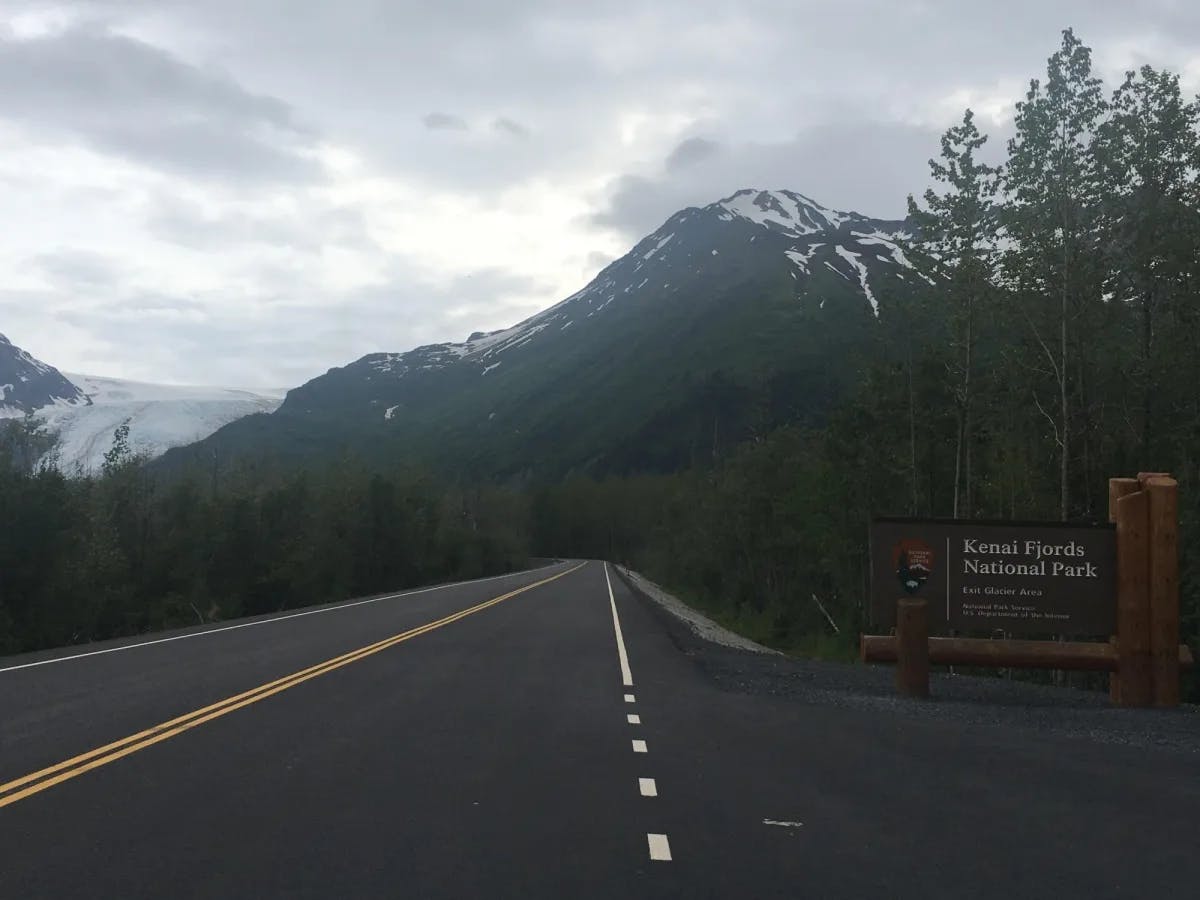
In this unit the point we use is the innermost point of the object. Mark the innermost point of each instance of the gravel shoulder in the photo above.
(738, 665)
(700, 625)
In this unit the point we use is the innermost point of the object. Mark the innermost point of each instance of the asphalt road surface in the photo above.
(534, 736)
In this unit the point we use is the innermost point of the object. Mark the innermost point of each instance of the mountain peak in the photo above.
(28, 384)
(684, 256)
(781, 210)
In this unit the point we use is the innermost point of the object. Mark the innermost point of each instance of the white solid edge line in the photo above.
(660, 847)
(647, 787)
(626, 675)
(311, 612)
(633, 719)
(629, 698)
(639, 746)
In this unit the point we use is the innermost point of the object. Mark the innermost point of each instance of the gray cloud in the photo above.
(124, 96)
(185, 223)
(865, 167)
(198, 338)
(77, 269)
(690, 152)
(482, 299)
(505, 125)
(370, 71)
(140, 305)
(632, 200)
(440, 121)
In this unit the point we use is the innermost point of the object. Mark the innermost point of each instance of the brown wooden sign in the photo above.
(1021, 578)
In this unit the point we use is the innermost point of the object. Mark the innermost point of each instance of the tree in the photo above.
(956, 239)
(27, 445)
(1050, 217)
(119, 454)
(1146, 154)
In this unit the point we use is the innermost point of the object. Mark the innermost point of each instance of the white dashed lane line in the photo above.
(660, 847)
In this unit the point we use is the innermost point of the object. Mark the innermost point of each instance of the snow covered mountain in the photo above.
(27, 384)
(85, 410)
(747, 313)
(811, 237)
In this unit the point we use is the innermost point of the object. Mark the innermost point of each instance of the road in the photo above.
(491, 739)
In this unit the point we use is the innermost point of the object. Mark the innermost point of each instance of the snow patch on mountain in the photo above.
(801, 257)
(853, 258)
(788, 211)
(890, 241)
(659, 246)
(835, 270)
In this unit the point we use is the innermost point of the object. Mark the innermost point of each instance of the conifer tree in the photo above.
(1050, 218)
(956, 240)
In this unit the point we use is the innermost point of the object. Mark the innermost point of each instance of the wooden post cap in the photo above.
(1118, 488)
(1143, 477)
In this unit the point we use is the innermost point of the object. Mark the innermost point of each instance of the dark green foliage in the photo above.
(958, 247)
(1055, 271)
(119, 454)
(25, 445)
(124, 554)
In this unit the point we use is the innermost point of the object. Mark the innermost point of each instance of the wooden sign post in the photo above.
(1041, 577)
(1132, 678)
(912, 647)
(1118, 488)
(1163, 494)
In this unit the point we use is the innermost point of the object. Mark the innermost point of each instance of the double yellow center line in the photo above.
(39, 781)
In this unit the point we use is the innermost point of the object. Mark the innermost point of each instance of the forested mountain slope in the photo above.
(726, 321)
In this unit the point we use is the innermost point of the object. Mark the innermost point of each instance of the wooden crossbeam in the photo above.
(944, 651)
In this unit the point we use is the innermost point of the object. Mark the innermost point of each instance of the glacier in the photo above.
(159, 417)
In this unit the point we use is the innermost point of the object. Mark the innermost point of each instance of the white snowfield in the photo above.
(159, 416)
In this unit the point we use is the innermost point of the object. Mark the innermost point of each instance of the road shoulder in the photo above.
(735, 664)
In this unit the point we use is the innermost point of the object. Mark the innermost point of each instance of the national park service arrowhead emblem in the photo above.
(913, 562)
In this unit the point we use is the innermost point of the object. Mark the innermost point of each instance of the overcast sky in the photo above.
(248, 192)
